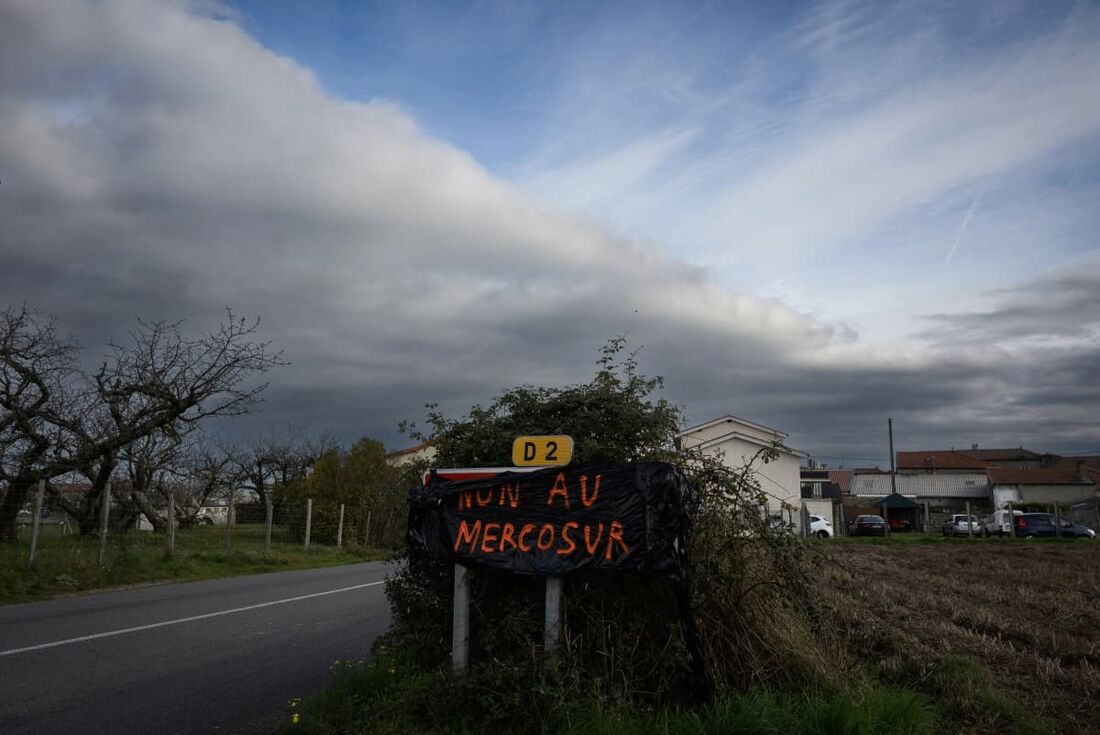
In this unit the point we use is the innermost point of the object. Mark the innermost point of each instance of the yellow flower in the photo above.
(294, 718)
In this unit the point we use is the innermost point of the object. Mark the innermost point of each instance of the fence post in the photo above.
(886, 517)
(969, 525)
(105, 510)
(552, 635)
(460, 625)
(1011, 520)
(228, 517)
(1057, 519)
(171, 537)
(268, 512)
(1098, 517)
(366, 535)
(928, 517)
(36, 521)
(309, 520)
(340, 528)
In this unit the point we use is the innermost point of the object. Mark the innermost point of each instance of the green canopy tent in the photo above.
(900, 512)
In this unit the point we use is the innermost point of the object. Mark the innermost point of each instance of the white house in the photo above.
(739, 442)
(403, 457)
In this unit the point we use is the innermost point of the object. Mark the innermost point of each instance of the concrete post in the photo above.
(460, 626)
(1058, 519)
(366, 534)
(927, 516)
(171, 539)
(36, 521)
(340, 528)
(552, 636)
(309, 520)
(228, 518)
(268, 514)
(104, 512)
(969, 525)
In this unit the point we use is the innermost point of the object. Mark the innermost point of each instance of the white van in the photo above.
(1000, 523)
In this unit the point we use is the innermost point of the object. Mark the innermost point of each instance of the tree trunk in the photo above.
(147, 509)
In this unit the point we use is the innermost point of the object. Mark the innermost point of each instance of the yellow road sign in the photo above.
(542, 451)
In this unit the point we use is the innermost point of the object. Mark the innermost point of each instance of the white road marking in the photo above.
(177, 621)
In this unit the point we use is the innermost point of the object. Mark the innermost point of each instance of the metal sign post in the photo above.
(528, 453)
(460, 620)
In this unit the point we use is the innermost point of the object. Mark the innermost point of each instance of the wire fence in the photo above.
(281, 529)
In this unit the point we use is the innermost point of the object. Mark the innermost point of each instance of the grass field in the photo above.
(69, 564)
(1002, 635)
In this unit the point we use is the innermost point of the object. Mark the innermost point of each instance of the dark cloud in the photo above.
(160, 163)
(1063, 304)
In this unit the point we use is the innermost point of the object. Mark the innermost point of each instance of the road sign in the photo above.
(542, 451)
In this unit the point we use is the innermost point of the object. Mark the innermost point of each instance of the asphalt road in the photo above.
(185, 658)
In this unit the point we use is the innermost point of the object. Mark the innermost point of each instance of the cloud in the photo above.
(1058, 309)
(158, 161)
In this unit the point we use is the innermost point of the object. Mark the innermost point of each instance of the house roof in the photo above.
(409, 450)
(1053, 476)
(1000, 455)
(938, 459)
(750, 440)
(71, 487)
(1091, 461)
(955, 485)
(842, 478)
(730, 418)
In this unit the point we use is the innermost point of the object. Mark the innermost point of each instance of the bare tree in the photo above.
(279, 457)
(36, 368)
(58, 419)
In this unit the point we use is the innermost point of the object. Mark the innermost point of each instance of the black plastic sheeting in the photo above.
(633, 517)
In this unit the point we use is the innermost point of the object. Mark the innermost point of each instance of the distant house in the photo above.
(942, 491)
(403, 457)
(1043, 486)
(738, 442)
(821, 493)
(938, 461)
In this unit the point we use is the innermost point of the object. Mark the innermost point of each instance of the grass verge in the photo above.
(384, 697)
(69, 564)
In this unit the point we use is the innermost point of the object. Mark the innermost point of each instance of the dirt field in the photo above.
(1004, 635)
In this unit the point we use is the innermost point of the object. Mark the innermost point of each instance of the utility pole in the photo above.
(893, 467)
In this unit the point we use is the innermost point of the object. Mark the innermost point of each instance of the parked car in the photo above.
(1076, 530)
(868, 526)
(961, 524)
(1000, 523)
(1042, 525)
(1034, 525)
(821, 527)
(899, 524)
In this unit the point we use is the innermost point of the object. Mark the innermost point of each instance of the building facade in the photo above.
(739, 442)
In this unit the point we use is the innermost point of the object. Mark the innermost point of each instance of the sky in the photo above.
(811, 215)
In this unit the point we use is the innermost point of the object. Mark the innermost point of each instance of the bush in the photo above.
(743, 619)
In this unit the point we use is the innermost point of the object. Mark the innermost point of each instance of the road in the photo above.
(220, 656)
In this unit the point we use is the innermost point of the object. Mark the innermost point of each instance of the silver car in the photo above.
(962, 525)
